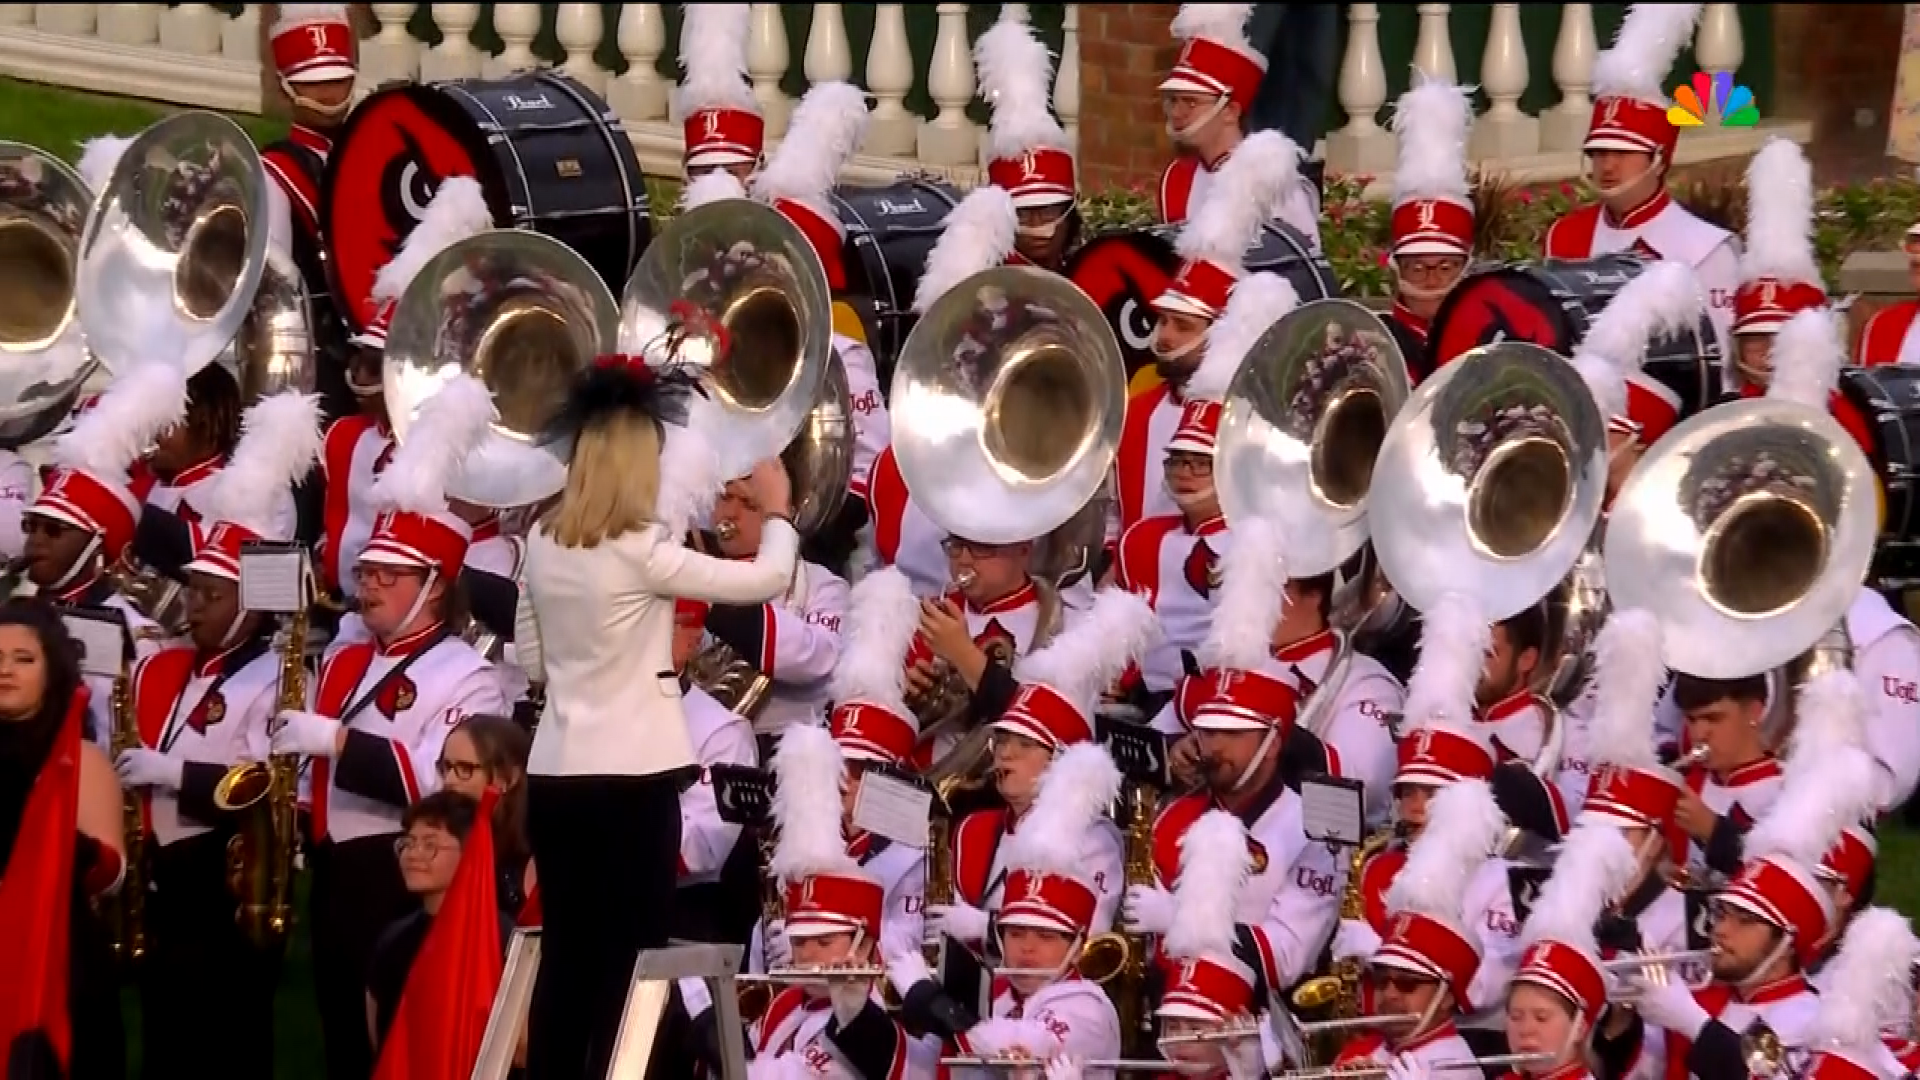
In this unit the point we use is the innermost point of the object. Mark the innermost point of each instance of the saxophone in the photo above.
(130, 939)
(1119, 960)
(1341, 988)
(753, 996)
(260, 857)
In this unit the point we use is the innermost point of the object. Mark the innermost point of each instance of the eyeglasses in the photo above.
(954, 545)
(1400, 981)
(426, 846)
(457, 770)
(384, 576)
(1197, 464)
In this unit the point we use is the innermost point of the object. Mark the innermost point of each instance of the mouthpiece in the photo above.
(961, 581)
(725, 531)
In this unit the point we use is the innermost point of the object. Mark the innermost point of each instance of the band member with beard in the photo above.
(1051, 712)
(1206, 97)
(1506, 709)
(1041, 1009)
(1213, 243)
(1630, 146)
(1175, 559)
(201, 709)
(1209, 991)
(1030, 156)
(1433, 219)
(1866, 1009)
(720, 122)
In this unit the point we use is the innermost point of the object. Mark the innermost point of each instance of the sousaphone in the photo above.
(43, 211)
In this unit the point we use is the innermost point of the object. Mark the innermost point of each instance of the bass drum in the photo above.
(890, 230)
(549, 154)
(1888, 400)
(1552, 303)
(1124, 271)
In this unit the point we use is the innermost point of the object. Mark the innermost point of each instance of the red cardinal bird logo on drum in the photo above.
(1122, 274)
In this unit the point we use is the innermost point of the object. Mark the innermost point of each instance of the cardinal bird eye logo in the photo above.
(1202, 569)
(396, 697)
(1122, 274)
(1259, 853)
(1487, 310)
(996, 642)
(211, 710)
(1713, 101)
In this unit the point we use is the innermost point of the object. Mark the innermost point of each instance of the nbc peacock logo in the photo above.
(1712, 101)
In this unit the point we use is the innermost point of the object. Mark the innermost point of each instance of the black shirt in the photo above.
(393, 960)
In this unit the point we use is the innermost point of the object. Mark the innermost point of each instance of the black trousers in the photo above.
(204, 983)
(357, 894)
(607, 848)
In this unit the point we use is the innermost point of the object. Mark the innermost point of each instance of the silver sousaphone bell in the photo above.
(43, 211)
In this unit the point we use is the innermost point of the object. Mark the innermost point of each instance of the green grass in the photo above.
(58, 120)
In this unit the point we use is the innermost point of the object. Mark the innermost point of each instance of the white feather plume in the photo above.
(1245, 194)
(99, 157)
(821, 138)
(279, 442)
(1432, 120)
(1258, 301)
(458, 210)
(132, 412)
(713, 60)
(1253, 596)
(1096, 649)
(1016, 80)
(1869, 984)
(1079, 785)
(1829, 780)
(1454, 640)
(714, 185)
(1215, 863)
(1808, 352)
(1830, 711)
(808, 771)
(692, 469)
(1464, 825)
(883, 615)
(1648, 42)
(1595, 866)
(1666, 299)
(978, 235)
(450, 425)
(1629, 670)
(1223, 23)
(1779, 239)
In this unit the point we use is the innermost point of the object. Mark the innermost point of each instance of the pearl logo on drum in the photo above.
(520, 104)
(889, 208)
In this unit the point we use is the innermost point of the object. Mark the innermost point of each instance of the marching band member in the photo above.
(1206, 97)
(1213, 243)
(1052, 711)
(381, 708)
(714, 105)
(1778, 273)
(1029, 154)
(1888, 337)
(706, 908)
(1866, 1008)
(1506, 708)
(1209, 990)
(1042, 1008)
(190, 453)
(1737, 779)
(1433, 216)
(203, 708)
(1630, 145)
(1847, 870)
(823, 136)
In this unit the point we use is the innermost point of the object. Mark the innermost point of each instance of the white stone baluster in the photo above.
(1717, 44)
(640, 94)
(16, 14)
(67, 20)
(1066, 81)
(455, 57)
(579, 26)
(193, 29)
(767, 58)
(949, 138)
(1362, 146)
(240, 36)
(829, 57)
(1563, 127)
(1504, 131)
(392, 53)
(1433, 51)
(128, 24)
(1017, 12)
(891, 131)
(517, 25)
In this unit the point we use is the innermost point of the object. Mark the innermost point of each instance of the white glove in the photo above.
(1246, 1060)
(1147, 909)
(141, 767)
(849, 997)
(1063, 1068)
(1670, 1005)
(906, 969)
(1407, 1067)
(774, 946)
(960, 921)
(1355, 940)
(695, 996)
(305, 734)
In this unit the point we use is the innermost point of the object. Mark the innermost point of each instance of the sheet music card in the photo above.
(101, 634)
(1332, 810)
(892, 806)
(273, 578)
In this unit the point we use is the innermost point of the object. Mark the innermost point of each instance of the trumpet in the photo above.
(812, 973)
(1317, 1027)
(1124, 1065)
(1666, 959)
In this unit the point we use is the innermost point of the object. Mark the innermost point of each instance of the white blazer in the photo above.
(596, 626)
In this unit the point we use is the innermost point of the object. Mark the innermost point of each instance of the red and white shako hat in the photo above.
(822, 137)
(1439, 745)
(1029, 156)
(1048, 883)
(1627, 787)
(1666, 299)
(1778, 274)
(313, 43)
(1630, 99)
(714, 105)
(457, 211)
(251, 499)
(1239, 687)
(1425, 935)
(90, 486)
(827, 891)
(1245, 194)
(1061, 682)
(1850, 860)
(1206, 980)
(415, 527)
(1215, 56)
(1596, 868)
(1432, 203)
(870, 718)
(1867, 991)
(1257, 303)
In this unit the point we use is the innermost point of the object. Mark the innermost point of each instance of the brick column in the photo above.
(1125, 50)
(1833, 59)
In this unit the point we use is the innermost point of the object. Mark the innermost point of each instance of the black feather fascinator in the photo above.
(658, 381)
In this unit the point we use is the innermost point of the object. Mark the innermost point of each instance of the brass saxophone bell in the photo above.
(1317, 993)
(1103, 958)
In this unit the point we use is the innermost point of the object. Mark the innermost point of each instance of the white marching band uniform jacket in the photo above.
(899, 535)
(1788, 1006)
(794, 640)
(1660, 229)
(1069, 1016)
(1177, 568)
(719, 737)
(209, 715)
(1886, 660)
(980, 865)
(1139, 464)
(872, 427)
(181, 497)
(354, 451)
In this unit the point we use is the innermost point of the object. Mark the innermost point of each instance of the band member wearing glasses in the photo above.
(1210, 990)
(1031, 157)
(714, 104)
(1433, 215)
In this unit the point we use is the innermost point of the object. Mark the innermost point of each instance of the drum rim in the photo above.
(1848, 384)
(861, 245)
